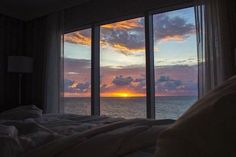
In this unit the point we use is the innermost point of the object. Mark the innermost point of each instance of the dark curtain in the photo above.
(11, 43)
(43, 41)
(35, 39)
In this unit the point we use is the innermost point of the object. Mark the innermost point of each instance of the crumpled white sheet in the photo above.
(20, 136)
(30, 137)
(9, 142)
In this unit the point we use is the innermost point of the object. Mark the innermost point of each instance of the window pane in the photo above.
(123, 76)
(176, 69)
(77, 72)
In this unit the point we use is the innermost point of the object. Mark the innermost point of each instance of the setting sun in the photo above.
(122, 94)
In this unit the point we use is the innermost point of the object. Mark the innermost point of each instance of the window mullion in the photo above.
(95, 71)
(150, 78)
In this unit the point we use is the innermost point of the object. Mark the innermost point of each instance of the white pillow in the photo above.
(21, 113)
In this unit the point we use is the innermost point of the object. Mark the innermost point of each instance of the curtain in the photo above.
(215, 21)
(54, 50)
(44, 41)
(11, 43)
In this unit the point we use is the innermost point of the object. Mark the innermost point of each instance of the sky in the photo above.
(122, 57)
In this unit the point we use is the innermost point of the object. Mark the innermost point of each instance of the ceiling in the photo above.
(29, 9)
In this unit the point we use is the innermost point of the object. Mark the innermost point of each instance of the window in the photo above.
(77, 75)
(123, 77)
(176, 68)
(122, 60)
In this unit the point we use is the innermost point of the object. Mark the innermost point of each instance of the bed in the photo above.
(24, 131)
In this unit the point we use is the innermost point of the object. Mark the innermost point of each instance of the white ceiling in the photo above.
(30, 9)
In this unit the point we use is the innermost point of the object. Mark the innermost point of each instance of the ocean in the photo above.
(167, 107)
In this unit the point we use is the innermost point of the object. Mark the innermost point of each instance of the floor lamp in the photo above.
(20, 65)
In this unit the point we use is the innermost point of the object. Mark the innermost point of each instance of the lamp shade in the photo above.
(20, 64)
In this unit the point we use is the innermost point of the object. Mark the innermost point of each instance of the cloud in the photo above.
(83, 87)
(165, 83)
(163, 79)
(122, 81)
(128, 36)
(170, 80)
(76, 66)
(139, 85)
(82, 37)
(168, 28)
(72, 73)
(124, 25)
(67, 84)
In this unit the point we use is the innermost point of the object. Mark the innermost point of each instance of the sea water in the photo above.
(166, 107)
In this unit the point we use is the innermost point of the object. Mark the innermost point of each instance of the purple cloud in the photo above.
(122, 81)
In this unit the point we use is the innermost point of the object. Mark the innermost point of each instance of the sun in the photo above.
(121, 94)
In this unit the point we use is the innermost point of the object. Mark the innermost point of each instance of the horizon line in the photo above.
(132, 96)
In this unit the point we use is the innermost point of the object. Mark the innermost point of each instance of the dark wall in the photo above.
(11, 43)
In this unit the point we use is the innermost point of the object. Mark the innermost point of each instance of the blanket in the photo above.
(64, 135)
(117, 139)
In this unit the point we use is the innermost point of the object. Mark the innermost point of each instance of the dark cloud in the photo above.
(139, 85)
(83, 63)
(122, 81)
(190, 86)
(67, 84)
(83, 87)
(165, 28)
(172, 28)
(126, 41)
(128, 37)
(164, 78)
(140, 80)
(79, 66)
(165, 83)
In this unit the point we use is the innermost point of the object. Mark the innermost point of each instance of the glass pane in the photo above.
(77, 72)
(176, 68)
(123, 76)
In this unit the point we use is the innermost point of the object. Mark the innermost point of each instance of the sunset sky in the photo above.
(123, 57)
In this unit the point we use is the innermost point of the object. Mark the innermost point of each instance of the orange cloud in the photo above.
(126, 50)
(84, 38)
(77, 38)
(68, 94)
(173, 38)
(123, 25)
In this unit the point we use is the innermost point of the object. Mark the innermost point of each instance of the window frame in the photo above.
(149, 55)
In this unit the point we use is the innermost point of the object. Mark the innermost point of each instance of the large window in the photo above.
(176, 69)
(126, 67)
(123, 77)
(77, 75)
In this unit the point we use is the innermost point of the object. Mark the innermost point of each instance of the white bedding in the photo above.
(66, 135)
